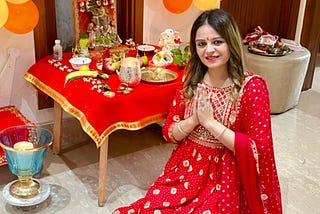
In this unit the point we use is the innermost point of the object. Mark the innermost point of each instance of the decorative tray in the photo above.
(158, 75)
(273, 52)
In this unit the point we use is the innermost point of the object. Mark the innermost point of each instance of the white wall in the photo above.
(157, 18)
(23, 94)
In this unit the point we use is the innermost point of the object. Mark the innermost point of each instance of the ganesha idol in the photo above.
(169, 39)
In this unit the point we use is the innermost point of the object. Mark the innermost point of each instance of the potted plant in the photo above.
(181, 56)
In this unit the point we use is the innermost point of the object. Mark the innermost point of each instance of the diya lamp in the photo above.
(25, 148)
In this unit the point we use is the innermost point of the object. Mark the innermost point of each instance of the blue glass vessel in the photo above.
(25, 162)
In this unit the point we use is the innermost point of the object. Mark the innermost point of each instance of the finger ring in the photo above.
(201, 103)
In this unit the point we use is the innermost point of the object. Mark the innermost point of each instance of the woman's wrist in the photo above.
(216, 128)
(188, 125)
(222, 133)
(210, 124)
(182, 129)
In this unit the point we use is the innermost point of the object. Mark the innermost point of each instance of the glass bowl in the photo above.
(77, 62)
(25, 159)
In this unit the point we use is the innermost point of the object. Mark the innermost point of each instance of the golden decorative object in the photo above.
(157, 75)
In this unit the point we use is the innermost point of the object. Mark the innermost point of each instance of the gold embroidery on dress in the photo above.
(221, 104)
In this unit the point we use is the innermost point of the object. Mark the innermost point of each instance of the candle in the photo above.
(23, 145)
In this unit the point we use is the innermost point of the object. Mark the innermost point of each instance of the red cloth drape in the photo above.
(254, 150)
(100, 115)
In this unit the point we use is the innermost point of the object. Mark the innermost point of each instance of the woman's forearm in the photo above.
(225, 135)
(183, 128)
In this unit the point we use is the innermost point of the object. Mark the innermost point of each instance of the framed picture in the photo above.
(96, 20)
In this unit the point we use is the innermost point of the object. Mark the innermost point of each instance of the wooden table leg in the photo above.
(102, 173)
(57, 126)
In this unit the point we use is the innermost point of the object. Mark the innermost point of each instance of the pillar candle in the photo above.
(23, 145)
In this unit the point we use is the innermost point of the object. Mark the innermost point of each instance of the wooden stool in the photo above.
(11, 116)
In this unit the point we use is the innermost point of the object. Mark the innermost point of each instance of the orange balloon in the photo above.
(177, 6)
(206, 4)
(23, 18)
(4, 12)
(17, 1)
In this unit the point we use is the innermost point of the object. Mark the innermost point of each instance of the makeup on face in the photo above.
(212, 49)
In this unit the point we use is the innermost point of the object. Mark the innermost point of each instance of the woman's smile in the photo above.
(212, 49)
(212, 58)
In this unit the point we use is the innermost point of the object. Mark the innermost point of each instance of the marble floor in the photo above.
(136, 158)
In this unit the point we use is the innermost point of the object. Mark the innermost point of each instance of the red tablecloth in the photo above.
(100, 115)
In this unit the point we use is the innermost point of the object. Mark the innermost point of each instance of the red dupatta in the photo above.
(254, 149)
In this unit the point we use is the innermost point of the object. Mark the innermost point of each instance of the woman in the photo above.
(220, 121)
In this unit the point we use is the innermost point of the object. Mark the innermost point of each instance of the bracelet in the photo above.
(181, 130)
(222, 132)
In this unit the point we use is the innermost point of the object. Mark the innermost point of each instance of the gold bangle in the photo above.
(181, 130)
(222, 132)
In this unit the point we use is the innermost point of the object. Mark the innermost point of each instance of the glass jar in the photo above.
(84, 45)
(130, 72)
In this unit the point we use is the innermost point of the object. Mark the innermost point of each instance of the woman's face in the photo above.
(211, 48)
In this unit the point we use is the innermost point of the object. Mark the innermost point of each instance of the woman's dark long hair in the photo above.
(226, 26)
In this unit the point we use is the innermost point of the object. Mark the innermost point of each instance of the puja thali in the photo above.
(269, 51)
(157, 75)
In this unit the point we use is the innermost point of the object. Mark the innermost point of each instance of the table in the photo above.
(284, 76)
(99, 115)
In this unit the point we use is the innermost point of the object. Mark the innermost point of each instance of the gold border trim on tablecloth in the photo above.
(86, 126)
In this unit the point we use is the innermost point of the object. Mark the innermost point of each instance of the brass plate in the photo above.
(158, 75)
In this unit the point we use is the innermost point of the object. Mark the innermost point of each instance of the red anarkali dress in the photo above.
(203, 176)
